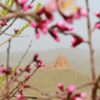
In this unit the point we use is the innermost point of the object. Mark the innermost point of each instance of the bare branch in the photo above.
(24, 54)
(8, 26)
(90, 44)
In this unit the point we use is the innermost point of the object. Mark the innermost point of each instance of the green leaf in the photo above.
(3, 78)
(38, 6)
(14, 69)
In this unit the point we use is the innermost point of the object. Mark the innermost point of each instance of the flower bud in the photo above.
(61, 87)
(33, 24)
(23, 2)
(71, 88)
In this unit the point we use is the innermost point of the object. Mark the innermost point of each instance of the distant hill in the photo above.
(77, 58)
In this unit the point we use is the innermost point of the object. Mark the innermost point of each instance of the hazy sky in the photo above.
(47, 42)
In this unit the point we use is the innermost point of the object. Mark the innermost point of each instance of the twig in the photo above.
(86, 84)
(39, 91)
(94, 93)
(7, 82)
(8, 26)
(23, 82)
(90, 44)
(24, 55)
(32, 1)
(6, 7)
(14, 35)
(93, 29)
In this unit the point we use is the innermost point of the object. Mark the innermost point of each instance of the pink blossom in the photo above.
(69, 19)
(71, 88)
(97, 13)
(36, 66)
(14, 29)
(25, 8)
(43, 65)
(77, 98)
(76, 16)
(54, 32)
(40, 61)
(50, 6)
(16, 72)
(97, 25)
(83, 12)
(37, 35)
(30, 68)
(70, 28)
(73, 40)
(61, 87)
(61, 24)
(30, 6)
(57, 39)
(2, 70)
(26, 86)
(20, 69)
(43, 28)
(29, 76)
(33, 24)
(83, 95)
(27, 80)
(2, 23)
(22, 94)
(17, 29)
(19, 96)
(23, 2)
(36, 54)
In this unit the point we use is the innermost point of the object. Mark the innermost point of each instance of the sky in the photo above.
(46, 41)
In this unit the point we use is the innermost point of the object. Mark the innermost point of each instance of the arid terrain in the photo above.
(78, 59)
(68, 66)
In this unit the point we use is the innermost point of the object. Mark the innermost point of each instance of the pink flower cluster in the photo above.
(16, 31)
(76, 40)
(21, 92)
(26, 86)
(19, 97)
(39, 63)
(97, 13)
(28, 69)
(71, 89)
(25, 8)
(61, 27)
(80, 13)
(23, 5)
(3, 23)
(4, 71)
(42, 24)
